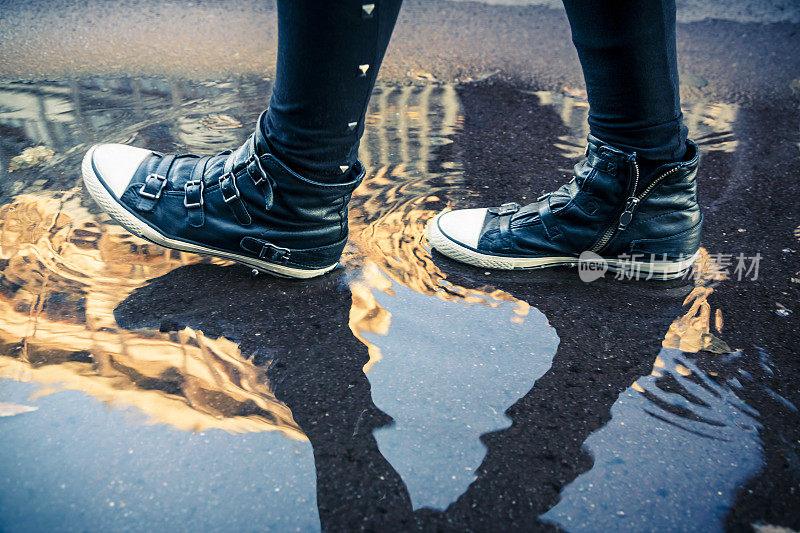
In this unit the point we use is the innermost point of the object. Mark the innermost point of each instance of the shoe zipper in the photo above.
(630, 206)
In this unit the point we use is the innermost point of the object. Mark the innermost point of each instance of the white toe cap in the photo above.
(463, 225)
(116, 164)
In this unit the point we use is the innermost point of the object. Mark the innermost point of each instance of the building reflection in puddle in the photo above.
(444, 361)
(710, 123)
(73, 462)
(65, 273)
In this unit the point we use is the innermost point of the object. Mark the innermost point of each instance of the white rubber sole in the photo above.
(138, 227)
(657, 270)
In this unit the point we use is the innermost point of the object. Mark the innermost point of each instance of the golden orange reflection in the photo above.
(64, 271)
(691, 332)
(400, 194)
(392, 249)
(710, 123)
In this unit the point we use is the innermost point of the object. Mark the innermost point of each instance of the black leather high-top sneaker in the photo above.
(645, 225)
(243, 205)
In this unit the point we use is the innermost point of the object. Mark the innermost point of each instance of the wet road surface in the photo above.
(146, 389)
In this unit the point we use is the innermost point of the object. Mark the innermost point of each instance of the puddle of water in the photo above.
(65, 272)
(677, 449)
(436, 374)
(682, 440)
(446, 377)
(445, 361)
(68, 268)
(74, 464)
(680, 445)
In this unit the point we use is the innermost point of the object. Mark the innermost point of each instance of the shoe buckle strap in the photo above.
(505, 231)
(254, 168)
(153, 186)
(260, 177)
(256, 171)
(251, 163)
(266, 250)
(602, 164)
(194, 194)
(548, 220)
(232, 197)
(257, 160)
(508, 208)
(193, 201)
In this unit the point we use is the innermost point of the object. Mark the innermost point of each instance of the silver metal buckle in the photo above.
(228, 199)
(152, 196)
(263, 172)
(194, 204)
(508, 208)
(278, 253)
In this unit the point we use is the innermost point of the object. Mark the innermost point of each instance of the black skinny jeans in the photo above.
(329, 54)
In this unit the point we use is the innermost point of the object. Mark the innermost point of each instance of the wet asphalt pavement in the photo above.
(144, 389)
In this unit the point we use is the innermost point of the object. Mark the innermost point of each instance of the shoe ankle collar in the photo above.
(606, 152)
(607, 159)
(280, 172)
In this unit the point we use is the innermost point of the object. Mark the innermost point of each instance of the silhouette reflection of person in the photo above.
(300, 333)
(610, 333)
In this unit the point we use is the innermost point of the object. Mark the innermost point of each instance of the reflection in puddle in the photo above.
(446, 377)
(681, 441)
(445, 362)
(66, 268)
(678, 447)
(64, 273)
(77, 466)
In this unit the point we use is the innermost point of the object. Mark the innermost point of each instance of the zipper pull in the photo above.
(627, 215)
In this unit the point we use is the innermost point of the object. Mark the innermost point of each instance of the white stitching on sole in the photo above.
(110, 205)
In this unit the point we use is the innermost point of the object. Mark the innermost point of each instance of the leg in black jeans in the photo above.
(626, 48)
(627, 52)
(329, 54)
